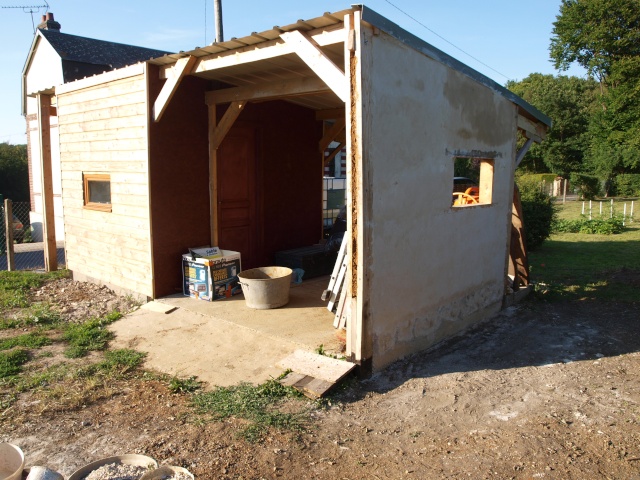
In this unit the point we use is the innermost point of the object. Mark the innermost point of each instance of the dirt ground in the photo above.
(544, 390)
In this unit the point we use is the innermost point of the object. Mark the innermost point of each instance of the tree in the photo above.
(604, 37)
(569, 101)
(595, 34)
(14, 172)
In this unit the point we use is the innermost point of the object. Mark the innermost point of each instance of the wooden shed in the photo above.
(224, 145)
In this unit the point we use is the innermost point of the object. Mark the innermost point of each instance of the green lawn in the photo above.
(574, 265)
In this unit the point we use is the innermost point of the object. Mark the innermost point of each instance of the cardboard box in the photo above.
(211, 278)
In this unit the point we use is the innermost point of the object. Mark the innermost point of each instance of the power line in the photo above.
(444, 39)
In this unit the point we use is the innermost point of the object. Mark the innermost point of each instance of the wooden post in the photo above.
(48, 219)
(564, 191)
(8, 229)
(612, 208)
(213, 176)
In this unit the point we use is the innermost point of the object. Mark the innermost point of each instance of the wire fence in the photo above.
(25, 252)
(333, 199)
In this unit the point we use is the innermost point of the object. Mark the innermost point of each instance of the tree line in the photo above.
(14, 172)
(596, 120)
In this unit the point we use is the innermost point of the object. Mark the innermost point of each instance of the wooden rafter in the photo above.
(267, 91)
(522, 152)
(331, 134)
(531, 130)
(182, 67)
(226, 123)
(319, 62)
(333, 153)
(261, 51)
(330, 114)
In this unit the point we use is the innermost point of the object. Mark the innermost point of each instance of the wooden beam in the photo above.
(319, 62)
(8, 235)
(226, 123)
(261, 51)
(333, 153)
(331, 134)
(330, 114)
(534, 131)
(48, 218)
(182, 67)
(518, 258)
(267, 91)
(213, 177)
(217, 132)
(521, 153)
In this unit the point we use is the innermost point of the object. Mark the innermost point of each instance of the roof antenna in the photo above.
(32, 9)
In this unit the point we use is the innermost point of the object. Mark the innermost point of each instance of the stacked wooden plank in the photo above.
(336, 292)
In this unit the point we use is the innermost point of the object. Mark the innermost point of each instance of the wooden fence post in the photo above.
(8, 230)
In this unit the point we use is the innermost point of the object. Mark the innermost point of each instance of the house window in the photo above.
(97, 191)
(472, 181)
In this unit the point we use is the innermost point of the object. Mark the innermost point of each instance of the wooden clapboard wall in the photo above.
(103, 129)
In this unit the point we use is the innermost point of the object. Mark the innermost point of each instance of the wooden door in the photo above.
(237, 228)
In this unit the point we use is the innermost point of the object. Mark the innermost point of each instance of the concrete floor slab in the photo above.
(225, 342)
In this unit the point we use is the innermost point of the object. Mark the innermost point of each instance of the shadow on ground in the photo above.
(529, 335)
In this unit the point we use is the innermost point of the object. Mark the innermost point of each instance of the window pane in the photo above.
(99, 191)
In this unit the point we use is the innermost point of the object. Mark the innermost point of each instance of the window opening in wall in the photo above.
(97, 191)
(472, 181)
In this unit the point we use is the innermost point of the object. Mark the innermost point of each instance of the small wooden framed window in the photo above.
(97, 191)
(474, 186)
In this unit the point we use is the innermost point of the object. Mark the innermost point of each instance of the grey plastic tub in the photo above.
(266, 287)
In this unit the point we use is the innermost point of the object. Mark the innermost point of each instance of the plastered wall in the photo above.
(431, 270)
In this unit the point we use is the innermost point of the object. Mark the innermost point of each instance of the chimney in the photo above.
(48, 23)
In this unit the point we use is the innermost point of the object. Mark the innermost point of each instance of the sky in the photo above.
(503, 39)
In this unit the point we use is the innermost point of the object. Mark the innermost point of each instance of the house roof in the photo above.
(83, 57)
(97, 52)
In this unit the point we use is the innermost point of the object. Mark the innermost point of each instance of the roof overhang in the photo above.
(267, 58)
(284, 62)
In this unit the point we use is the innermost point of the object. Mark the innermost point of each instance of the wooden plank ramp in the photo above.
(312, 374)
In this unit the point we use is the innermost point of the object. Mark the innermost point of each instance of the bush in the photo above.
(608, 226)
(538, 212)
(627, 185)
(587, 186)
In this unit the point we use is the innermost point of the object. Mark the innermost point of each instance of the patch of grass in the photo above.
(11, 362)
(44, 378)
(588, 266)
(257, 404)
(15, 286)
(36, 314)
(184, 385)
(88, 336)
(28, 340)
(121, 361)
